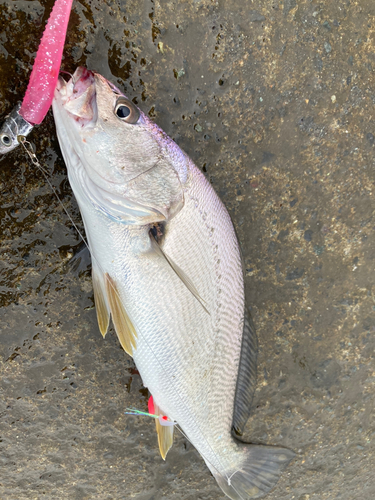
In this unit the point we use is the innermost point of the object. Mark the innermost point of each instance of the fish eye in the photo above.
(126, 111)
(123, 111)
(6, 140)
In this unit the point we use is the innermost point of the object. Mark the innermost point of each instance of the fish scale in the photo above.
(177, 304)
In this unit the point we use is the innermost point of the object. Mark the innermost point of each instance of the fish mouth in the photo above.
(78, 96)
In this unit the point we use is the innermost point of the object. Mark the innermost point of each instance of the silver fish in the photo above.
(13, 127)
(167, 269)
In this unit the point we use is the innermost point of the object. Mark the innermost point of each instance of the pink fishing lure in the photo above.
(43, 79)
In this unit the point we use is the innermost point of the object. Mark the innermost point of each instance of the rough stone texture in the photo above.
(276, 104)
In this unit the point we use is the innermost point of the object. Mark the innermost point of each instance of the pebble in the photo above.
(327, 47)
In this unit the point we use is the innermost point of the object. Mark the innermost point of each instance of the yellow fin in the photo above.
(124, 327)
(102, 312)
(165, 434)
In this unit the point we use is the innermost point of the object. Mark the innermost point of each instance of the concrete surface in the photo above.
(275, 102)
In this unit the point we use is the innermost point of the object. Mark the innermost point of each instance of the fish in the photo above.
(167, 269)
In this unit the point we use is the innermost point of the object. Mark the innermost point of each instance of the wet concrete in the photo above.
(275, 102)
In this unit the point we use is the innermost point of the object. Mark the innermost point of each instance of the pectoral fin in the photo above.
(125, 330)
(180, 273)
(102, 310)
(165, 434)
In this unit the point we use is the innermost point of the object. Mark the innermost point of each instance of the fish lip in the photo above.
(61, 89)
(61, 83)
(82, 79)
(78, 96)
(78, 83)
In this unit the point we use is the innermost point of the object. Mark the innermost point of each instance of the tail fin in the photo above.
(257, 471)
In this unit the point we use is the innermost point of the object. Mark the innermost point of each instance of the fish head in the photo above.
(116, 156)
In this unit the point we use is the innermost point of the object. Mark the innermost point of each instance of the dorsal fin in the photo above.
(180, 273)
(125, 330)
(165, 434)
(247, 374)
(102, 310)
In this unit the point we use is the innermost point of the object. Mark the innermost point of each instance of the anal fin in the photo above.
(125, 330)
(165, 434)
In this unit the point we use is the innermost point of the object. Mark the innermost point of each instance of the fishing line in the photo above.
(30, 152)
